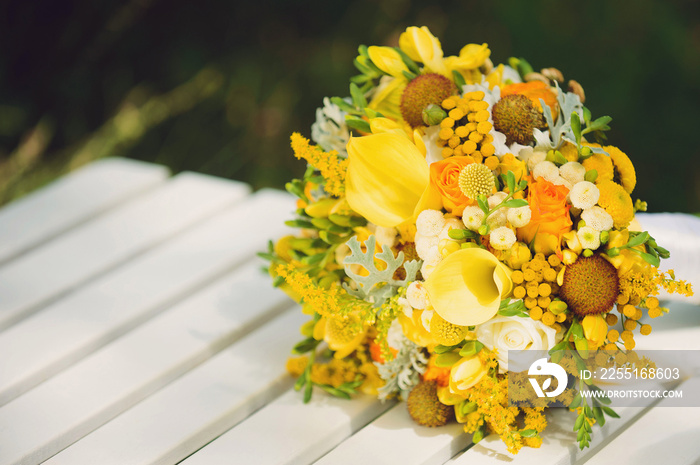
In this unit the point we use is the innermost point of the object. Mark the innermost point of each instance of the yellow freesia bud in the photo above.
(470, 57)
(572, 241)
(595, 329)
(386, 178)
(466, 373)
(422, 46)
(466, 288)
(618, 238)
(388, 60)
(517, 255)
(568, 257)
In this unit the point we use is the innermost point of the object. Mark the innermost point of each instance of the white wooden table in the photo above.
(137, 328)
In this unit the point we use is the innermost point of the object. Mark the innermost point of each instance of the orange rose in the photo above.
(444, 175)
(550, 216)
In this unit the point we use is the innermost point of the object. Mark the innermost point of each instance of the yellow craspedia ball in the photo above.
(446, 333)
(341, 331)
(615, 200)
(624, 173)
(476, 179)
(603, 166)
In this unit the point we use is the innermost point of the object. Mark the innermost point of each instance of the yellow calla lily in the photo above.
(388, 60)
(466, 288)
(422, 46)
(380, 125)
(386, 178)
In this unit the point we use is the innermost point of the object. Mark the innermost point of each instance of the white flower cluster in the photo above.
(432, 234)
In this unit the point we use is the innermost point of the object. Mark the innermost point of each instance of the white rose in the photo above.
(504, 333)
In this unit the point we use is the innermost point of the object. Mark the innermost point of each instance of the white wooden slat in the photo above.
(301, 433)
(71, 200)
(68, 261)
(664, 435)
(51, 340)
(111, 380)
(559, 446)
(394, 438)
(188, 413)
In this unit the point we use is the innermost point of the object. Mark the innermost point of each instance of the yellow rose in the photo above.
(422, 46)
(466, 373)
(466, 287)
(550, 216)
(595, 329)
(444, 175)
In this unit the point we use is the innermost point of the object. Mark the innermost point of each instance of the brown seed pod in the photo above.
(576, 88)
(553, 73)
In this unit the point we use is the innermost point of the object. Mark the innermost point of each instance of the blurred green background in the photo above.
(218, 87)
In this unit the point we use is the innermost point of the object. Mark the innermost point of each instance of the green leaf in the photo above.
(408, 61)
(576, 402)
(334, 391)
(576, 127)
(343, 105)
(510, 182)
(331, 238)
(587, 116)
(471, 348)
(515, 203)
(649, 258)
(301, 380)
(372, 113)
(408, 75)
(461, 234)
(610, 412)
(447, 360)
(307, 345)
(559, 159)
(479, 434)
(598, 414)
(314, 259)
(459, 79)
(483, 204)
(441, 349)
(358, 98)
(308, 391)
(579, 422)
(639, 239)
(356, 123)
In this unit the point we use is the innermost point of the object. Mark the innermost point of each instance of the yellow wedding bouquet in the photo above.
(454, 210)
